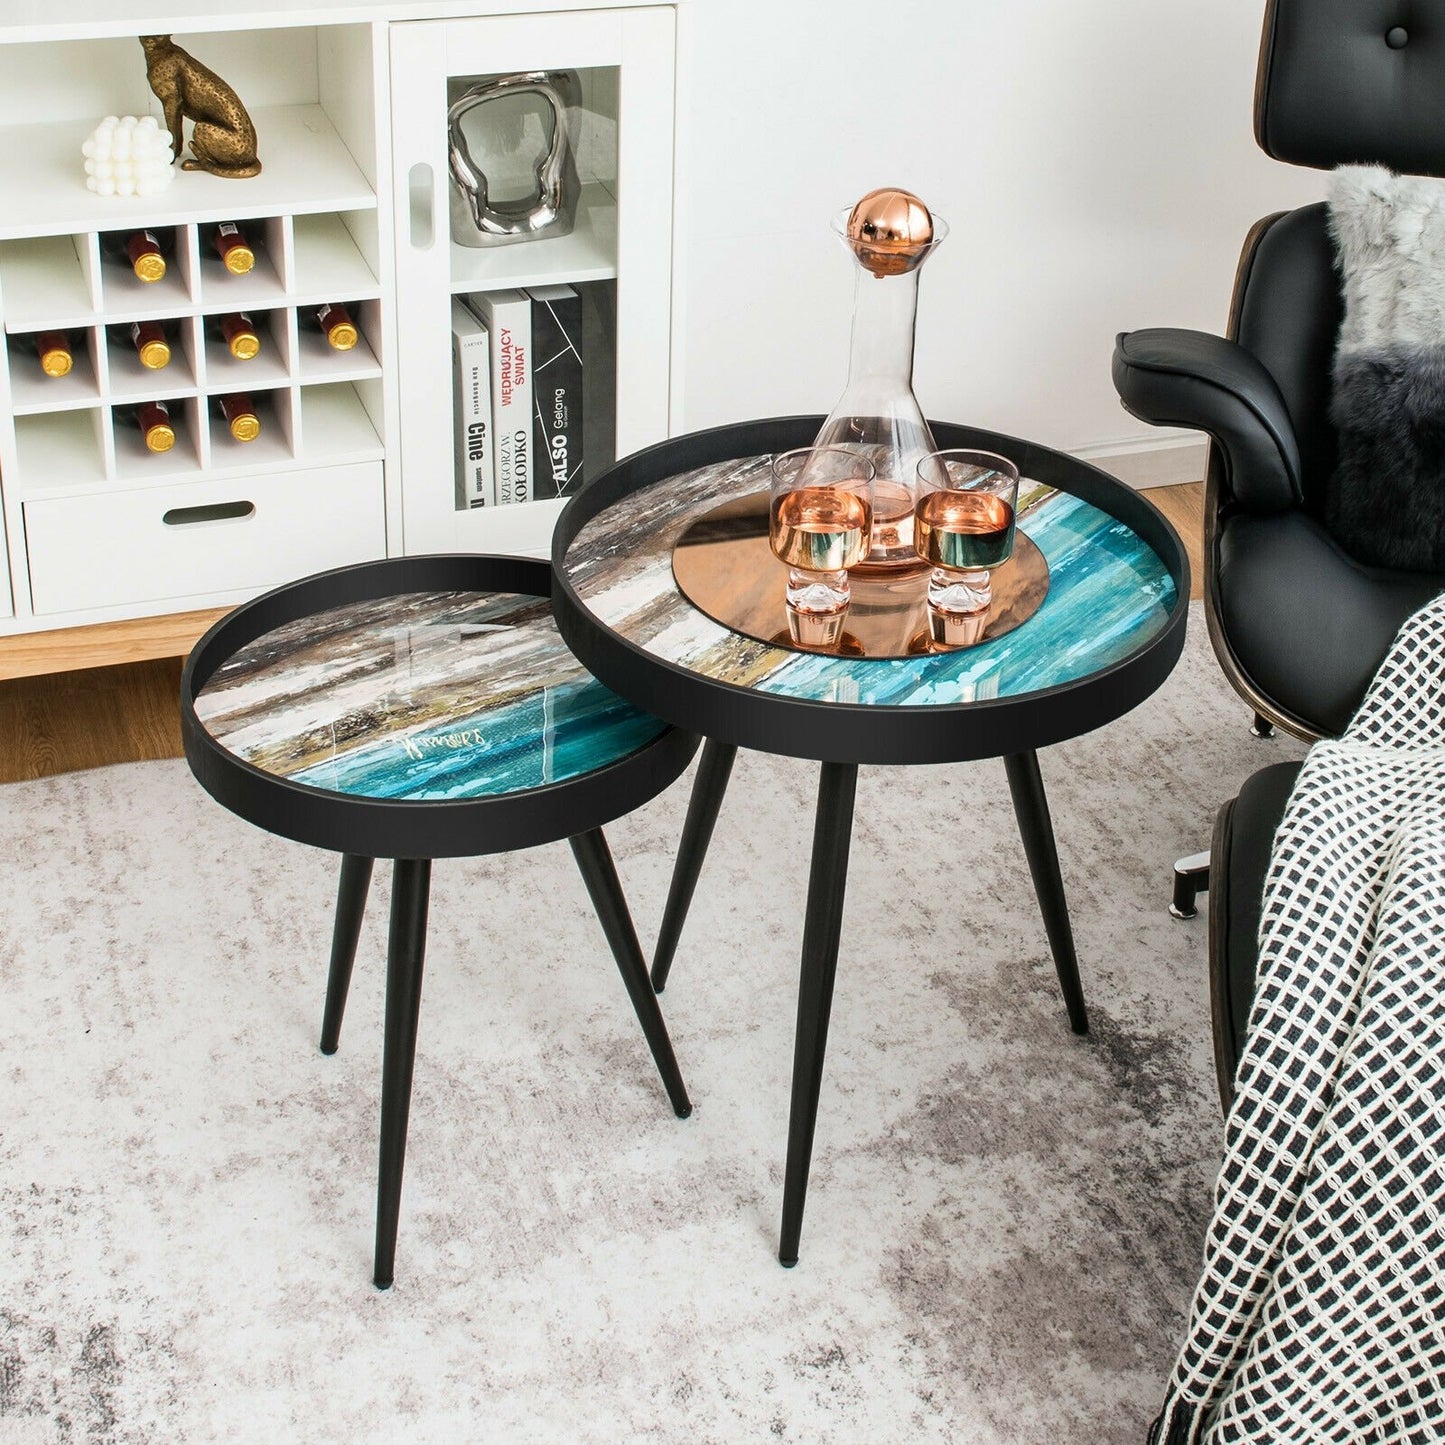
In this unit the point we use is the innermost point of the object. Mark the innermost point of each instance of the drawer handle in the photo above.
(211, 512)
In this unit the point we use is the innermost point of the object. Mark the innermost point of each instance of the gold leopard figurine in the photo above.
(223, 140)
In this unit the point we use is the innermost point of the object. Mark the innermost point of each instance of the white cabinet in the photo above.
(354, 455)
(618, 254)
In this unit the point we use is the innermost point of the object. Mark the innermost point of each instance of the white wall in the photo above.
(1094, 158)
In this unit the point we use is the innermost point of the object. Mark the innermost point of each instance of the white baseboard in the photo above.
(1149, 462)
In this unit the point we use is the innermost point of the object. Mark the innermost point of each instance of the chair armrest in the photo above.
(1169, 377)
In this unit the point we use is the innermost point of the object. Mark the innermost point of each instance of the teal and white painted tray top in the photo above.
(1109, 594)
(422, 696)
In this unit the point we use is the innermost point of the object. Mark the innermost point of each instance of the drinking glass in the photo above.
(820, 518)
(963, 523)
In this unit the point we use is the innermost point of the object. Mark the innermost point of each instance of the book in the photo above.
(507, 315)
(557, 390)
(472, 410)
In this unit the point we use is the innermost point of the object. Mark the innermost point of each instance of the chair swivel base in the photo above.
(1191, 878)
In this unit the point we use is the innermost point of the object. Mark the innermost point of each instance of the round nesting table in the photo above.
(413, 709)
(1108, 633)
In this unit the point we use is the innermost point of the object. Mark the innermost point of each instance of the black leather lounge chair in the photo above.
(1298, 625)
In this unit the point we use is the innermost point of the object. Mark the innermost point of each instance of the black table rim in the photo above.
(394, 827)
(861, 732)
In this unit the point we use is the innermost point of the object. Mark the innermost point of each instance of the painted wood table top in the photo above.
(1110, 592)
(423, 696)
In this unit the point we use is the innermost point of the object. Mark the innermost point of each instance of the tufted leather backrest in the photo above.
(1286, 311)
(1353, 81)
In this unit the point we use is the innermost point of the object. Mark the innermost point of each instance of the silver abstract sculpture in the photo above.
(551, 208)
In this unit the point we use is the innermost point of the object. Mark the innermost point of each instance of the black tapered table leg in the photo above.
(702, 810)
(822, 929)
(595, 862)
(405, 951)
(1031, 808)
(351, 894)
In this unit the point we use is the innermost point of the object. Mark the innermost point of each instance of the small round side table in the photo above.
(1107, 634)
(421, 708)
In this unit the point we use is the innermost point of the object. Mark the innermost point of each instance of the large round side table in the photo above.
(414, 709)
(1108, 632)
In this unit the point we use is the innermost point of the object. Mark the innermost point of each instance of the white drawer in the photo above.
(201, 538)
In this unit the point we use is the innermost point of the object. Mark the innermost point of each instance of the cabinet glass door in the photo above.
(570, 319)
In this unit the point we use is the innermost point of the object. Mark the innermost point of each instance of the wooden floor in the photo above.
(93, 716)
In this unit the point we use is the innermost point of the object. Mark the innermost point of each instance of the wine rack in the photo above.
(70, 434)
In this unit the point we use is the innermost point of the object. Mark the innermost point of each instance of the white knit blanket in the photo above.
(1320, 1314)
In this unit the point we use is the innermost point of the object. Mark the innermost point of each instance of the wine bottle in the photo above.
(334, 322)
(53, 349)
(231, 246)
(153, 420)
(239, 333)
(240, 416)
(149, 340)
(140, 250)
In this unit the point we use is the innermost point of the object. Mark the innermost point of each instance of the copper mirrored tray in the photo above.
(724, 566)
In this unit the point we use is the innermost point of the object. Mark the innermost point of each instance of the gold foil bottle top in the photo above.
(890, 231)
(340, 329)
(242, 339)
(143, 250)
(240, 416)
(160, 437)
(231, 246)
(155, 354)
(56, 362)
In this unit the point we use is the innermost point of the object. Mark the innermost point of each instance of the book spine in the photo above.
(512, 399)
(557, 373)
(472, 409)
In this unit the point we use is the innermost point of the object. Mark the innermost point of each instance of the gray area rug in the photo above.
(1004, 1223)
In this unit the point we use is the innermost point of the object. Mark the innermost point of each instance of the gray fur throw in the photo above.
(1385, 503)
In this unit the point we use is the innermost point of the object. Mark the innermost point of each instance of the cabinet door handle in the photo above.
(210, 512)
(420, 193)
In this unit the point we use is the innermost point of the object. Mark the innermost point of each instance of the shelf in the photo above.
(135, 462)
(319, 361)
(589, 253)
(225, 372)
(269, 452)
(126, 297)
(307, 168)
(63, 447)
(42, 283)
(260, 289)
(525, 527)
(31, 391)
(328, 264)
(335, 427)
(132, 382)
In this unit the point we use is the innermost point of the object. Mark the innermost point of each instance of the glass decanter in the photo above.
(890, 234)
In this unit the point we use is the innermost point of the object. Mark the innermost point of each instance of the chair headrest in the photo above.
(1353, 82)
